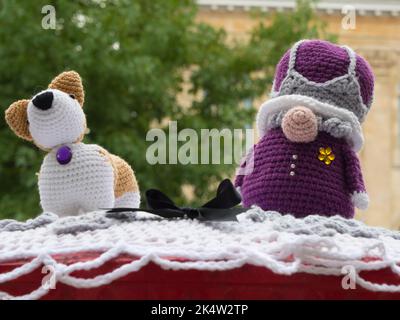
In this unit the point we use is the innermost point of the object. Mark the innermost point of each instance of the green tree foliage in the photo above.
(133, 56)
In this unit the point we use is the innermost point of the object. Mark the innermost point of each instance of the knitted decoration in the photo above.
(334, 126)
(282, 244)
(74, 177)
(17, 119)
(305, 162)
(300, 125)
(69, 82)
(329, 73)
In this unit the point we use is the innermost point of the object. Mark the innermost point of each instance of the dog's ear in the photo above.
(17, 119)
(69, 82)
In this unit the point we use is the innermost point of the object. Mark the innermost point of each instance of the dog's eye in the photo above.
(72, 96)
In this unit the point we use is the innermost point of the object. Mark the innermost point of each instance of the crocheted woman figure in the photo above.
(305, 162)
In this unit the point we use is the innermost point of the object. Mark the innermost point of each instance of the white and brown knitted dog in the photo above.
(74, 177)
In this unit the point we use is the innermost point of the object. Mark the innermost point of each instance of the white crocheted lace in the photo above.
(316, 245)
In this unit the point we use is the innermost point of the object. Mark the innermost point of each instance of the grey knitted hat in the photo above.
(328, 73)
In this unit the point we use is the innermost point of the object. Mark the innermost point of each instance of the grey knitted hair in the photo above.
(336, 127)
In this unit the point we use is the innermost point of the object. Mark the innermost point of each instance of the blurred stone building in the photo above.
(376, 36)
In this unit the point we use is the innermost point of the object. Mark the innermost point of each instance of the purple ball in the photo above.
(64, 155)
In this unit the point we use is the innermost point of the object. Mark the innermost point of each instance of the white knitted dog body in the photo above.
(84, 184)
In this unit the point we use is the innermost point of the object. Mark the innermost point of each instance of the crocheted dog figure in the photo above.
(306, 162)
(74, 177)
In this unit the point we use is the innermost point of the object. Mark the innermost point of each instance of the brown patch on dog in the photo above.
(69, 82)
(17, 119)
(124, 177)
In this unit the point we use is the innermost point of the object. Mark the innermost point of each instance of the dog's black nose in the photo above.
(43, 101)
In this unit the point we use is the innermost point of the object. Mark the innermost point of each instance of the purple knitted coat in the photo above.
(322, 176)
(290, 178)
